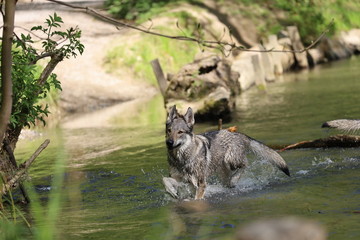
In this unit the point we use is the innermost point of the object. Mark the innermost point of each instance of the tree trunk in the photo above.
(6, 63)
(8, 137)
(8, 164)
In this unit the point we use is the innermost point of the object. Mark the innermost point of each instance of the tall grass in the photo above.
(41, 221)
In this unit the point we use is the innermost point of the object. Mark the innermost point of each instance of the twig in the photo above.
(27, 164)
(220, 124)
(292, 146)
(23, 168)
(30, 32)
(206, 43)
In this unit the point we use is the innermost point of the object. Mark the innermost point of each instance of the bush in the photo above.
(28, 86)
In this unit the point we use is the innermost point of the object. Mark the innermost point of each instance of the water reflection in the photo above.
(134, 113)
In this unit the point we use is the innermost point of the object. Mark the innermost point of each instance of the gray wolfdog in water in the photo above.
(193, 158)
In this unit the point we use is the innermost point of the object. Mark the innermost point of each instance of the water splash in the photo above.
(257, 176)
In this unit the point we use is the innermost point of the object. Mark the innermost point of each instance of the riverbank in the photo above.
(115, 69)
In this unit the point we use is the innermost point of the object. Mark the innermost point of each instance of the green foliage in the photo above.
(70, 43)
(25, 111)
(133, 9)
(312, 17)
(10, 230)
(306, 15)
(135, 56)
(28, 87)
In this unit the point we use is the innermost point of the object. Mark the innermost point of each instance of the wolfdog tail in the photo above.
(269, 154)
(347, 125)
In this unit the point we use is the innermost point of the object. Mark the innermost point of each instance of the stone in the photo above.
(285, 228)
(301, 58)
(246, 72)
(287, 59)
(259, 71)
(276, 56)
(268, 64)
(315, 56)
(334, 49)
(208, 85)
(351, 39)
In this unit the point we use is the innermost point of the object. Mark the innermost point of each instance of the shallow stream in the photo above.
(113, 175)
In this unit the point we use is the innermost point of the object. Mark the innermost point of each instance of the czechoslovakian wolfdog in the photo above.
(193, 158)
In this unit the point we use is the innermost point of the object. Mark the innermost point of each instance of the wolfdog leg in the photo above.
(235, 177)
(200, 191)
(171, 186)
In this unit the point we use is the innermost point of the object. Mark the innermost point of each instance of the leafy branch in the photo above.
(223, 46)
(31, 84)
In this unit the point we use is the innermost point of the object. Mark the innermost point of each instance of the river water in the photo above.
(112, 180)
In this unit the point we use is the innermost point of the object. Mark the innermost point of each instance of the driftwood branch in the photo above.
(229, 46)
(27, 164)
(23, 168)
(339, 141)
(343, 141)
(159, 74)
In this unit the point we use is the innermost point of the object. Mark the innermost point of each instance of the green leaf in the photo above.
(36, 28)
(58, 18)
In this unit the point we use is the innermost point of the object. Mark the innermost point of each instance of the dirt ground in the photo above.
(87, 86)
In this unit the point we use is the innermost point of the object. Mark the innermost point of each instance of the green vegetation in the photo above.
(311, 16)
(269, 16)
(29, 87)
(136, 9)
(172, 54)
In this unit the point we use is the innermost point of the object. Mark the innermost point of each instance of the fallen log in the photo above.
(341, 141)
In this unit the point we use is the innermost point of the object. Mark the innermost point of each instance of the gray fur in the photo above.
(347, 125)
(193, 158)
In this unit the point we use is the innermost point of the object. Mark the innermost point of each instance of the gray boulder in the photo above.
(208, 85)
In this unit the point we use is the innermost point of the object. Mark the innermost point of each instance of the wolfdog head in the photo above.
(179, 128)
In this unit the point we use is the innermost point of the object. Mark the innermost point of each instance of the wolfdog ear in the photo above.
(172, 114)
(189, 117)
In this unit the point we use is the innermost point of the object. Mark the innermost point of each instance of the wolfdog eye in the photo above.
(180, 132)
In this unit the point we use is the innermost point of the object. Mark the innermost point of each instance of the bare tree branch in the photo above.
(221, 45)
(27, 164)
(44, 55)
